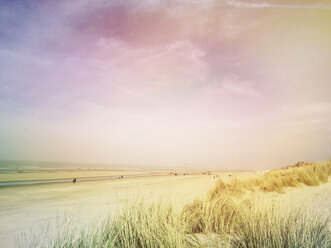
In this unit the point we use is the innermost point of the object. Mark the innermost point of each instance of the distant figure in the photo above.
(74, 181)
(229, 175)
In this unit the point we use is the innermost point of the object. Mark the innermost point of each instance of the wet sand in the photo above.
(53, 175)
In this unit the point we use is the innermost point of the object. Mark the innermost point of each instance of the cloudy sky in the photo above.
(224, 83)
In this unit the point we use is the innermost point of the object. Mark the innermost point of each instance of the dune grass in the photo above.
(256, 222)
(228, 207)
(277, 180)
(135, 225)
(231, 215)
(274, 226)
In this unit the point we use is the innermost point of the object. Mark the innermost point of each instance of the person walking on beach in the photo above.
(74, 181)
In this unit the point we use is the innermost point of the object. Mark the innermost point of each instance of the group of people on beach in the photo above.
(75, 179)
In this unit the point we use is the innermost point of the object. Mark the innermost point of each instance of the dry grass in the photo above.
(275, 226)
(276, 180)
(312, 175)
(135, 225)
(220, 215)
(232, 212)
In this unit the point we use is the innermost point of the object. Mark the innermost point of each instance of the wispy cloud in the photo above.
(177, 72)
(262, 5)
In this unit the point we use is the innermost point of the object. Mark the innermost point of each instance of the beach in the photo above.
(28, 210)
(33, 206)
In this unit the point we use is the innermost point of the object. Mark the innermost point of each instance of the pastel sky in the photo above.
(226, 84)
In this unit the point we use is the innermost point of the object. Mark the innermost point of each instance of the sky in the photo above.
(200, 83)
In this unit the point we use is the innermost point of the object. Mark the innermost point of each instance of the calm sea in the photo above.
(15, 166)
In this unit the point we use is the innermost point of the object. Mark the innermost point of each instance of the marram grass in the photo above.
(135, 225)
(277, 180)
(227, 217)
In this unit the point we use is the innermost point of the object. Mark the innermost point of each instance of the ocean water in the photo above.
(21, 166)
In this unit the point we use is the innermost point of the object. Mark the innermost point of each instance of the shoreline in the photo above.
(81, 179)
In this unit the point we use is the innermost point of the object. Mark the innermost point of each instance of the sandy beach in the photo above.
(26, 207)
(30, 208)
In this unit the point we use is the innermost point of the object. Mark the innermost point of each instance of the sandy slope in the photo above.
(316, 198)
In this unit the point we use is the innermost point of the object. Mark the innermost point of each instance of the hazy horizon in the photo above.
(10, 164)
(211, 84)
(44, 165)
